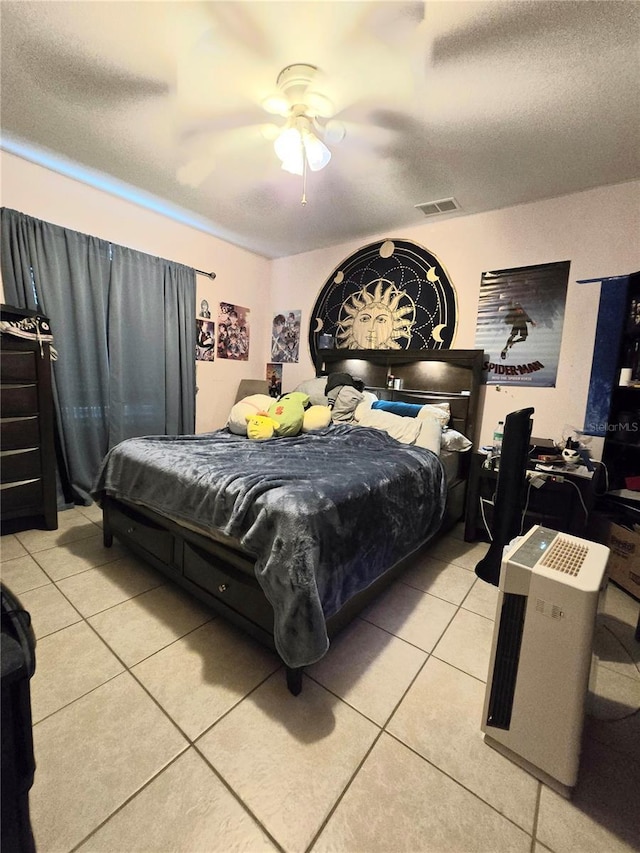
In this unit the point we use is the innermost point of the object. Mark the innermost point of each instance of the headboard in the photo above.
(445, 375)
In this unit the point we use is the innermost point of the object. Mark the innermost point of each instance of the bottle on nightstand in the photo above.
(497, 439)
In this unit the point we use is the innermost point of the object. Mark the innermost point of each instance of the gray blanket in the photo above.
(325, 513)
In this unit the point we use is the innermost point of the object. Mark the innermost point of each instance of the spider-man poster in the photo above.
(520, 318)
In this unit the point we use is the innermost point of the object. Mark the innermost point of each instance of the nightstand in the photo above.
(557, 505)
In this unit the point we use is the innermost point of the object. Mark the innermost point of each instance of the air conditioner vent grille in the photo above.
(565, 556)
(443, 205)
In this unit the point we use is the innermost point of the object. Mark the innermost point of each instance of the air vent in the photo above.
(445, 205)
(565, 556)
(505, 669)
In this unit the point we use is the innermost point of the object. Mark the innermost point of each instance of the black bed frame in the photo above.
(219, 573)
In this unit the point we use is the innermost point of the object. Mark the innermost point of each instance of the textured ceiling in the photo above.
(492, 103)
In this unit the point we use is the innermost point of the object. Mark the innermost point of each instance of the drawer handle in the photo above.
(19, 483)
(222, 587)
(131, 529)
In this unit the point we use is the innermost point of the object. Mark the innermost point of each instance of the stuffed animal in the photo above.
(288, 411)
(316, 417)
(251, 405)
(260, 426)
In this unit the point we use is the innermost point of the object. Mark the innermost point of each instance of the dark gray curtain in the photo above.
(124, 328)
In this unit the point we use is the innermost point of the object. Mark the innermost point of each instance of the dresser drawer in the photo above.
(19, 399)
(136, 528)
(16, 365)
(21, 464)
(232, 587)
(20, 496)
(19, 432)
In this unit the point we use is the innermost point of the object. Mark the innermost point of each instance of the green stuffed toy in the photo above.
(288, 411)
(260, 426)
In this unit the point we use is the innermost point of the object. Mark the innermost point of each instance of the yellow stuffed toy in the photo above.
(316, 417)
(260, 426)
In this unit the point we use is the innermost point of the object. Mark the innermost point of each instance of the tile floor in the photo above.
(158, 727)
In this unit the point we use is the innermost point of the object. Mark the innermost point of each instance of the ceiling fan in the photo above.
(302, 142)
(207, 90)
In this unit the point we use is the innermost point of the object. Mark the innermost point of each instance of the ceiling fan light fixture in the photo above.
(297, 146)
(296, 142)
(289, 149)
(318, 155)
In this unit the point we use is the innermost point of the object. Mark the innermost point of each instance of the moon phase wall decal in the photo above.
(392, 294)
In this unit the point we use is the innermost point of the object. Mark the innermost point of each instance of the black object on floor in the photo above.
(18, 761)
(510, 492)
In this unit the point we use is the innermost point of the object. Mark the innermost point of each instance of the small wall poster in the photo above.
(274, 378)
(233, 332)
(519, 327)
(205, 340)
(285, 336)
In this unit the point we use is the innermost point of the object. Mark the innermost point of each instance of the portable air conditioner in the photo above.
(550, 585)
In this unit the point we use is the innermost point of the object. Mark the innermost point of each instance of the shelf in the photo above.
(632, 390)
(635, 445)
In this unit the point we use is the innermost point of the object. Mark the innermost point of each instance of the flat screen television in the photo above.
(511, 489)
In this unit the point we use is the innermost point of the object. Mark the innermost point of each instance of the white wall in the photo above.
(242, 277)
(598, 231)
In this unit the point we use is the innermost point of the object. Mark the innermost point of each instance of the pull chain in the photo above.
(304, 179)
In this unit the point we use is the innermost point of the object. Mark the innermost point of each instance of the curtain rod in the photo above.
(210, 275)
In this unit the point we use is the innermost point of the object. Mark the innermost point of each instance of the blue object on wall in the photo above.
(604, 368)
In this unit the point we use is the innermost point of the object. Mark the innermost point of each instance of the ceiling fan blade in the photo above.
(500, 25)
(202, 154)
(70, 75)
(190, 128)
(194, 172)
(391, 22)
(233, 20)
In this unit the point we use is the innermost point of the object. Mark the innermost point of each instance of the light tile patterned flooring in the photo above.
(158, 727)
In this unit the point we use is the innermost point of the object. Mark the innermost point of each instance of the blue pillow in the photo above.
(405, 410)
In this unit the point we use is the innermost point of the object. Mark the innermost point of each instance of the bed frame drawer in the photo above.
(235, 589)
(143, 533)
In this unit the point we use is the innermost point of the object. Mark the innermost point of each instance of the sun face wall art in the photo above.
(392, 294)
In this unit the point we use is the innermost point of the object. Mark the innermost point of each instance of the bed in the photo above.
(290, 538)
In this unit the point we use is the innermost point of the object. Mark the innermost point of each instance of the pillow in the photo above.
(437, 410)
(315, 389)
(405, 410)
(454, 440)
(345, 403)
(250, 405)
(430, 435)
(405, 430)
(316, 417)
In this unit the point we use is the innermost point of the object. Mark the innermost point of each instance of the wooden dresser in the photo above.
(27, 451)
